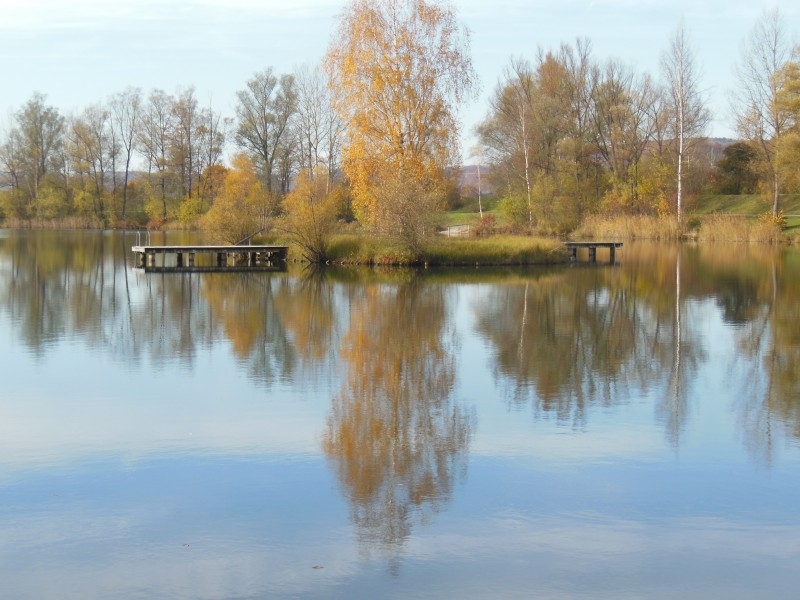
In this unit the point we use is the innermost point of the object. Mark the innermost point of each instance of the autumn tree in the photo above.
(184, 138)
(126, 109)
(760, 117)
(317, 127)
(310, 213)
(242, 206)
(579, 169)
(398, 70)
(789, 102)
(92, 152)
(263, 111)
(154, 140)
(32, 155)
(688, 114)
(509, 129)
(623, 126)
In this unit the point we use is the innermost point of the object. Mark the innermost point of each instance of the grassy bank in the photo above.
(495, 250)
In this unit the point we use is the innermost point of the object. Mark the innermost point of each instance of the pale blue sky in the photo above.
(80, 52)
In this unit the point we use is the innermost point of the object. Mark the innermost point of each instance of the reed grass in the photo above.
(729, 228)
(629, 227)
(73, 222)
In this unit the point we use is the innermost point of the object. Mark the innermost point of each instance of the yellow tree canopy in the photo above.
(242, 206)
(398, 70)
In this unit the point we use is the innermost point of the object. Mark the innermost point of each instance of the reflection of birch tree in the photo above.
(770, 347)
(567, 341)
(395, 435)
(563, 342)
(672, 410)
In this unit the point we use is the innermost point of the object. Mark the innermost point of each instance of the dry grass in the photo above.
(626, 227)
(492, 250)
(728, 228)
(74, 222)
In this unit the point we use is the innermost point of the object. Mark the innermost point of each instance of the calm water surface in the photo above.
(578, 432)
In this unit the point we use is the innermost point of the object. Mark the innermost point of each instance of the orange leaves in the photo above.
(242, 205)
(398, 71)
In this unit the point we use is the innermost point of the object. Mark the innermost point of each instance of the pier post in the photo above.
(592, 254)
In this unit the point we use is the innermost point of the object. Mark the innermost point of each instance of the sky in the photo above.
(80, 52)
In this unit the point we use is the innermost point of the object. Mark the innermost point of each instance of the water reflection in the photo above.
(396, 436)
(587, 337)
(562, 341)
(644, 389)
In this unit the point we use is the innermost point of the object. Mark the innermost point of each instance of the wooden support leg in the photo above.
(592, 254)
(612, 252)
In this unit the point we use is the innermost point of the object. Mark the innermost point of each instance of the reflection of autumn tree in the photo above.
(770, 340)
(581, 337)
(562, 344)
(60, 283)
(395, 434)
(308, 308)
(244, 306)
(79, 285)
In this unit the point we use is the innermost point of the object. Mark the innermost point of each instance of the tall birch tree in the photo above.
(689, 116)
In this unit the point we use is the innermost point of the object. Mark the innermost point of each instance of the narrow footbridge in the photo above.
(592, 247)
(222, 258)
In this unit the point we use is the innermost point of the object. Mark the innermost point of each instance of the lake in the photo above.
(572, 432)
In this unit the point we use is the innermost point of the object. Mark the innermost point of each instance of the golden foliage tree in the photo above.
(242, 207)
(310, 214)
(789, 102)
(398, 69)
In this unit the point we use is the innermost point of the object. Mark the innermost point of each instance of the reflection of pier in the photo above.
(210, 258)
(593, 246)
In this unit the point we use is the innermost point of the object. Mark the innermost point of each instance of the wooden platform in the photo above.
(223, 258)
(592, 247)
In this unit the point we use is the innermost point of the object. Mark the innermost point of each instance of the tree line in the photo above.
(372, 134)
(570, 135)
(139, 158)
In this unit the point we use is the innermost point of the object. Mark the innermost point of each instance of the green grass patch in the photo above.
(750, 205)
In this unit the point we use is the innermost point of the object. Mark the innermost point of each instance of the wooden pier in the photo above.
(222, 258)
(593, 246)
